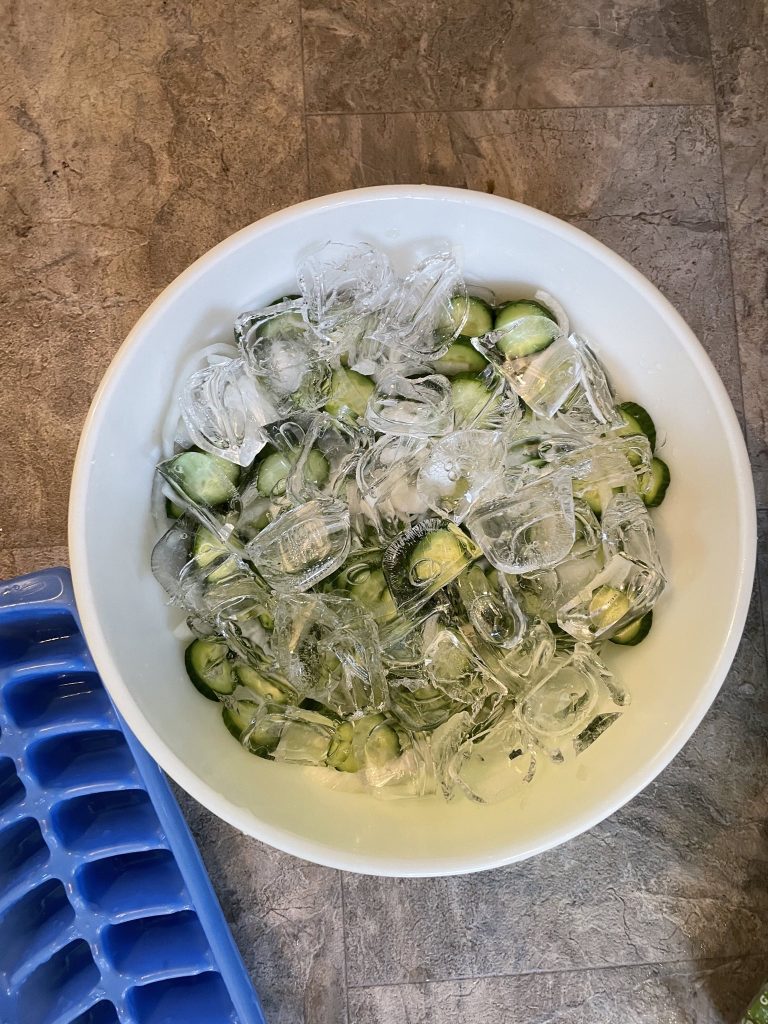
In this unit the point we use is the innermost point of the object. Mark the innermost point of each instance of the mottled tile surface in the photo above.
(678, 874)
(285, 916)
(647, 182)
(18, 561)
(672, 994)
(131, 140)
(453, 55)
(740, 52)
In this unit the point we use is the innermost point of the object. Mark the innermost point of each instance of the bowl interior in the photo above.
(705, 528)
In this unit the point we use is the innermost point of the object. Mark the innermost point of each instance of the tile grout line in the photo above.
(727, 225)
(758, 587)
(344, 944)
(303, 96)
(702, 963)
(510, 110)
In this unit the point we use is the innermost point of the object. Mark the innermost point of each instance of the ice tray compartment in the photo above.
(66, 979)
(202, 999)
(83, 760)
(45, 700)
(23, 853)
(106, 913)
(133, 884)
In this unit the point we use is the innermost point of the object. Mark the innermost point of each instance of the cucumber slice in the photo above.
(470, 316)
(340, 754)
(349, 396)
(273, 471)
(209, 666)
(374, 594)
(267, 689)
(238, 718)
(461, 357)
(636, 421)
(284, 325)
(432, 554)
(206, 549)
(472, 399)
(528, 327)
(205, 479)
(172, 510)
(607, 607)
(635, 632)
(654, 484)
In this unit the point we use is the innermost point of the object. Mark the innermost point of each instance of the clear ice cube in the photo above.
(512, 667)
(303, 546)
(413, 406)
(572, 703)
(491, 607)
(224, 411)
(328, 650)
(459, 469)
(533, 528)
(424, 559)
(592, 404)
(500, 762)
(545, 380)
(386, 478)
(623, 591)
(342, 284)
(419, 317)
(280, 358)
(628, 530)
(453, 669)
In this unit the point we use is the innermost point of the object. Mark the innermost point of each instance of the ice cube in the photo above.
(500, 762)
(224, 411)
(533, 528)
(458, 470)
(386, 478)
(591, 405)
(342, 284)
(419, 317)
(572, 703)
(492, 609)
(328, 649)
(513, 667)
(623, 591)
(303, 546)
(453, 669)
(628, 530)
(279, 356)
(413, 406)
(424, 559)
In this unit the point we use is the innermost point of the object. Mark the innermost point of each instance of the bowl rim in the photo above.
(281, 838)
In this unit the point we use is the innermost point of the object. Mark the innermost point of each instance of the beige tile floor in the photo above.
(133, 136)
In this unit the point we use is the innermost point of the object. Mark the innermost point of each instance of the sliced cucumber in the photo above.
(434, 554)
(210, 667)
(274, 470)
(238, 718)
(172, 510)
(654, 484)
(470, 316)
(206, 549)
(349, 396)
(340, 754)
(527, 327)
(284, 325)
(607, 607)
(374, 594)
(205, 479)
(636, 421)
(267, 689)
(472, 399)
(461, 357)
(634, 632)
(367, 742)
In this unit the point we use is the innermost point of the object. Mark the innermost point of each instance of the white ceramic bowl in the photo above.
(706, 528)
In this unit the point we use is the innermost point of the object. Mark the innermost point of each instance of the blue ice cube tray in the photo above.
(107, 914)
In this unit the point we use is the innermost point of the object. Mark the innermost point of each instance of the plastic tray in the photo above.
(106, 912)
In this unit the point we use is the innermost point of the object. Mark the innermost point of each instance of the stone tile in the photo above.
(762, 564)
(131, 140)
(18, 561)
(407, 55)
(739, 30)
(680, 873)
(675, 994)
(645, 182)
(285, 915)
